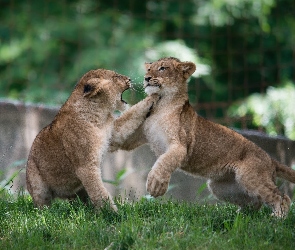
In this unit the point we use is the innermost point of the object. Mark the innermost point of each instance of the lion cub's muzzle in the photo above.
(128, 86)
(147, 79)
(150, 82)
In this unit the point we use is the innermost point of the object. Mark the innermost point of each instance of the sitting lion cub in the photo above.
(65, 157)
(237, 170)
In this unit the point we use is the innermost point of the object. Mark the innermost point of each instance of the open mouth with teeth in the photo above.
(122, 97)
(128, 87)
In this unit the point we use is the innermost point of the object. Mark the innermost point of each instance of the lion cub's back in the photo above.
(209, 143)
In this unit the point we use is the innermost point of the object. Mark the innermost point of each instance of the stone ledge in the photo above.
(20, 123)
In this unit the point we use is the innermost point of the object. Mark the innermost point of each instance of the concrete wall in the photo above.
(20, 123)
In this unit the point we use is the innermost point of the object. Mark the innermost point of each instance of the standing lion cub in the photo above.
(66, 156)
(237, 170)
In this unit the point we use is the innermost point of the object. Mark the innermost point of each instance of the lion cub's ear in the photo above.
(92, 88)
(188, 68)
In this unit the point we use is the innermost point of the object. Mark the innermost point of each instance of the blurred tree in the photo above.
(245, 45)
(248, 44)
(45, 47)
(274, 111)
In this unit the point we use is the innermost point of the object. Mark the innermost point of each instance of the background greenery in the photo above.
(241, 47)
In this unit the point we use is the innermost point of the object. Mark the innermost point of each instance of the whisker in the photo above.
(136, 83)
(137, 90)
(137, 87)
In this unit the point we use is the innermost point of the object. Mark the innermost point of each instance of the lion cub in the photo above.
(237, 170)
(65, 157)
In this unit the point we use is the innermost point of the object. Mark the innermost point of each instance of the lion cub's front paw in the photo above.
(153, 99)
(157, 184)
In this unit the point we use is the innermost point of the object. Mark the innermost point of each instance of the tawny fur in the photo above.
(237, 170)
(65, 158)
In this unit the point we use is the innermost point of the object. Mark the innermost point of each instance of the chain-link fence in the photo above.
(240, 47)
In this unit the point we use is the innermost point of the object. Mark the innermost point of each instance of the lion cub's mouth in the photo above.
(122, 94)
(152, 85)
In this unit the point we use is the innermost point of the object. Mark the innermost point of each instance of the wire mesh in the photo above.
(244, 56)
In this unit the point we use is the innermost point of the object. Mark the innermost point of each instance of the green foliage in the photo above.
(273, 110)
(6, 183)
(224, 12)
(249, 45)
(46, 47)
(142, 225)
(43, 57)
(120, 176)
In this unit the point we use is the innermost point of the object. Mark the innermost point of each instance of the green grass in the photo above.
(146, 224)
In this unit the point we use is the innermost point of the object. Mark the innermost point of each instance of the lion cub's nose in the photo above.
(147, 79)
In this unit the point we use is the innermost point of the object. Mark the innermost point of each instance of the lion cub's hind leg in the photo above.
(263, 187)
(230, 191)
(38, 189)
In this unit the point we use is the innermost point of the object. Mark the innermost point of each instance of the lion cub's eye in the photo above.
(162, 68)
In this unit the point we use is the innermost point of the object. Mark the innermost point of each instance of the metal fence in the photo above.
(246, 50)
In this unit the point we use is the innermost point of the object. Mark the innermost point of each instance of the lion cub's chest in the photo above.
(156, 133)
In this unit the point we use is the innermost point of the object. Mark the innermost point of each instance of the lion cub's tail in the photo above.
(285, 172)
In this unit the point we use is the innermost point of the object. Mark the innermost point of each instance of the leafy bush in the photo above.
(274, 110)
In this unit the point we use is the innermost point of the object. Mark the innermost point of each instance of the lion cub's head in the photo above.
(167, 76)
(103, 86)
